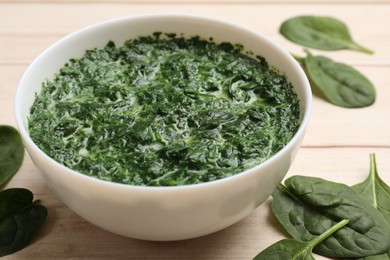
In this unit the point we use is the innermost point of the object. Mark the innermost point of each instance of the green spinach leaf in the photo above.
(375, 190)
(307, 206)
(341, 84)
(20, 218)
(377, 193)
(293, 249)
(320, 32)
(11, 153)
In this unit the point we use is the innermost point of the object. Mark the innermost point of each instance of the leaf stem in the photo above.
(298, 58)
(358, 47)
(373, 175)
(330, 231)
(373, 164)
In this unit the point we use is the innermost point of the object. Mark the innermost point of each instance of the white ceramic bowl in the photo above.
(161, 213)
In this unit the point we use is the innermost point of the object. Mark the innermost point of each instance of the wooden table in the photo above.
(336, 147)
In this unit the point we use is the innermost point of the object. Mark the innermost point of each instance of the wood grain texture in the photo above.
(246, 2)
(336, 146)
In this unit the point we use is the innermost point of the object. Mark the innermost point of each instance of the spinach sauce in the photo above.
(164, 110)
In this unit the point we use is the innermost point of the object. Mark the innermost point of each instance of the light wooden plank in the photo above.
(66, 235)
(200, 1)
(64, 18)
(15, 51)
(28, 29)
(9, 78)
(331, 125)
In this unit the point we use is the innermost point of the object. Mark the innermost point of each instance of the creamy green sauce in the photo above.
(163, 110)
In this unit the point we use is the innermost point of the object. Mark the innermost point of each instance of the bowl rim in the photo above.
(307, 106)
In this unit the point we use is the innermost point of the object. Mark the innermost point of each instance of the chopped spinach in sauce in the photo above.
(164, 110)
